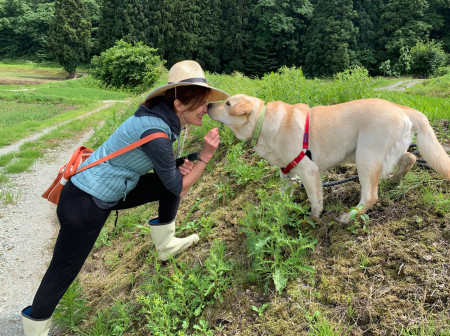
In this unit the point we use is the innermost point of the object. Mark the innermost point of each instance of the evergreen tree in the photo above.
(235, 35)
(69, 34)
(112, 26)
(277, 29)
(208, 34)
(402, 24)
(438, 16)
(24, 28)
(365, 49)
(328, 38)
(94, 11)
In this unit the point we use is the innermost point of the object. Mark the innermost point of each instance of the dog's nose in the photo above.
(210, 105)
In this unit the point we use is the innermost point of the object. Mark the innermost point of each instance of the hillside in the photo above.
(262, 266)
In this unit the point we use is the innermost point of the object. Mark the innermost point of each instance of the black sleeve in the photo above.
(161, 154)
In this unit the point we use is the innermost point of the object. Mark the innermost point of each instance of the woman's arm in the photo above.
(210, 144)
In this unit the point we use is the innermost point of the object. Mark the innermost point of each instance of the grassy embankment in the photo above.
(262, 267)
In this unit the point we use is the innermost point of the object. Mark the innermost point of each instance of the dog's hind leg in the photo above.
(405, 163)
(310, 175)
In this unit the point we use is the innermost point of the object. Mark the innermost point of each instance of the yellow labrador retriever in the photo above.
(373, 133)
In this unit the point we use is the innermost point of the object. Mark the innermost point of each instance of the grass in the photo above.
(39, 106)
(434, 87)
(262, 266)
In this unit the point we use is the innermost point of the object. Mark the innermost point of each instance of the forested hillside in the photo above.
(250, 36)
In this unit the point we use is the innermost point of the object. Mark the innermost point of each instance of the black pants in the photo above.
(81, 221)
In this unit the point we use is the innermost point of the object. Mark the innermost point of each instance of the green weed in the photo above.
(114, 321)
(320, 326)
(72, 308)
(276, 239)
(176, 296)
(244, 173)
(360, 221)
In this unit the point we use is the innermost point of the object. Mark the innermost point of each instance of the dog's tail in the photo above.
(429, 147)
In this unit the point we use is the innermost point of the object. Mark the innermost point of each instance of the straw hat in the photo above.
(188, 73)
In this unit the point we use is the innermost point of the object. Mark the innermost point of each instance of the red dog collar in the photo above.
(302, 154)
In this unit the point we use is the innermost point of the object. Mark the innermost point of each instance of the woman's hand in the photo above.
(210, 144)
(186, 167)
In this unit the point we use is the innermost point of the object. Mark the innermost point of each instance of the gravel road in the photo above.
(28, 230)
(401, 85)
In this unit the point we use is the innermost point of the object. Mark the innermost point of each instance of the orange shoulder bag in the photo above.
(80, 154)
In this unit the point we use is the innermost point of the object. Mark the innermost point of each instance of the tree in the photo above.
(24, 27)
(401, 24)
(328, 38)
(69, 34)
(427, 58)
(235, 35)
(132, 66)
(277, 29)
(438, 16)
(365, 49)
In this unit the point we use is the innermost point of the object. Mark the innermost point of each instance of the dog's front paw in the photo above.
(345, 218)
(315, 213)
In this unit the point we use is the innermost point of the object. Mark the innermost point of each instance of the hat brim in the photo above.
(215, 94)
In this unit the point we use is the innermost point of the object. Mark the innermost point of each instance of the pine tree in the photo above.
(402, 24)
(365, 49)
(277, 28)
(235, 35)
(24, 28)
(69, 34)
(328, 38)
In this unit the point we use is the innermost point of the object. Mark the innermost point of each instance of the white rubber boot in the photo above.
(34, 327)
(165, 241)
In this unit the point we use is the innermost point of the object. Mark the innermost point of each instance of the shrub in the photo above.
(133, 67)
(427, 58)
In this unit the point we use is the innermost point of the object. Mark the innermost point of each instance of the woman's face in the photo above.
(189, 116)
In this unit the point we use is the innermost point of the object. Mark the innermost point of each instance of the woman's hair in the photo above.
(191, 95)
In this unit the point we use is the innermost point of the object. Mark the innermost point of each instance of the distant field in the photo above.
(28, 74)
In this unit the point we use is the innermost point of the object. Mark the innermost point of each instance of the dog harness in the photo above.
(303, 153)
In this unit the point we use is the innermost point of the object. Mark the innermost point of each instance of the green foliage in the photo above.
(434, 87)
(401, 24)
(289, 85)
(277, 239)
(427, 58)
(114, 321)
(353, 83)
(243, 172)
(134, 67)
(24, 28)
(72, 308)
(176, 296)
(360, 221)
(328, 38)
(276, 27)
(69, 34)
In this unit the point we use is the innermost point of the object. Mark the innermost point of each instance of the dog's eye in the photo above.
(228, 103)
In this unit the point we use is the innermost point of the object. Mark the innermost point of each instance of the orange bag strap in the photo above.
(125, 149)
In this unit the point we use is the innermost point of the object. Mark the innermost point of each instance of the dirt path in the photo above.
(28, 229)
(401, 85)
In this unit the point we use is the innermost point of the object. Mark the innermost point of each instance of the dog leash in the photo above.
(420, 162)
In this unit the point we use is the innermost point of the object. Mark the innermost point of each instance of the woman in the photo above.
(124, 182)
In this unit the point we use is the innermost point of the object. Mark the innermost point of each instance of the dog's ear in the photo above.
(242, 107)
